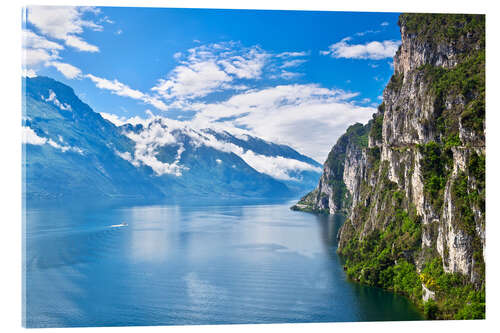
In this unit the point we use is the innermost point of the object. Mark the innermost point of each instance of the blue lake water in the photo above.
(177, 265)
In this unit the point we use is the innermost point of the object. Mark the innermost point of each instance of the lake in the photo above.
(192, 264)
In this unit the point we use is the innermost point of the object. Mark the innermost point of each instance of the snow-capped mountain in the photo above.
(73, 152)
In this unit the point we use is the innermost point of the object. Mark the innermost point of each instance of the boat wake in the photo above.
(119, 225)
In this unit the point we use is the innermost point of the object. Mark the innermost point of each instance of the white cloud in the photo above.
(246, 66)
(68, 70)
(80, 44)
(38, 49)
(309, 118)
(121, 89)
(29, 73)
(209, 68)
(154, 101)
(373, 50)
(292, 54)
(58, 146)
(64, 23)
(119, 121)
(366, 32)
(94, 10)
(277, 167)
(127, 156)
(53, 98)
(159, 132)
(34, 41)
(33, 57)
(30, 137)
(146, 144)
(116, 87)
(115, 119)
(107, 20)
(192, 80)
(206, 69)
(293, 63)
(289, 75)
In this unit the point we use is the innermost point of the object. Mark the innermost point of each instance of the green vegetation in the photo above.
(396, 82)
(477, 169)
(430, 309)
(463, 202)
(381, 244)
(455, 297)
(465, 81)
(373, 157)
(435, 28)
(384, 258)
(341, 196)
(376, 130)
(465, 199)
(473, 115)
(436, 165)
(357, 136)
(452, 140)
(306, 203)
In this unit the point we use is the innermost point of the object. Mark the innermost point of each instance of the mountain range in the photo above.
(72, 152)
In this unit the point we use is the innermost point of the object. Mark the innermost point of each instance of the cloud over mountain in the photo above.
(306, 117)
(219, 84)
(374, 50)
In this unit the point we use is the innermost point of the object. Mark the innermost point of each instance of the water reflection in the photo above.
(192, 265)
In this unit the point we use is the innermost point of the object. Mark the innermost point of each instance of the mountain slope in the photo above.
(72, 152)
(414, 192)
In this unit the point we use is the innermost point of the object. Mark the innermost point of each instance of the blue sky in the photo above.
(294, 77)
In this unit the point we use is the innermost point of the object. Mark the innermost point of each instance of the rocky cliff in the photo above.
(412, 181)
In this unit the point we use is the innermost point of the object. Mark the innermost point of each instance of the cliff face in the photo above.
(415, 193)
(342, 173)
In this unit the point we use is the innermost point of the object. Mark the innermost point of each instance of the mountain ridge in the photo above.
(71, 152)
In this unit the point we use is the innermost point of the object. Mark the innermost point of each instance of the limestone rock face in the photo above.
(422, 144)
(427, 294)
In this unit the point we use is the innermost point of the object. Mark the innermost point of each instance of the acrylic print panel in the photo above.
(183, 169)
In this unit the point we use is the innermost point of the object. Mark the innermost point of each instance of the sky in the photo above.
(293, 77)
